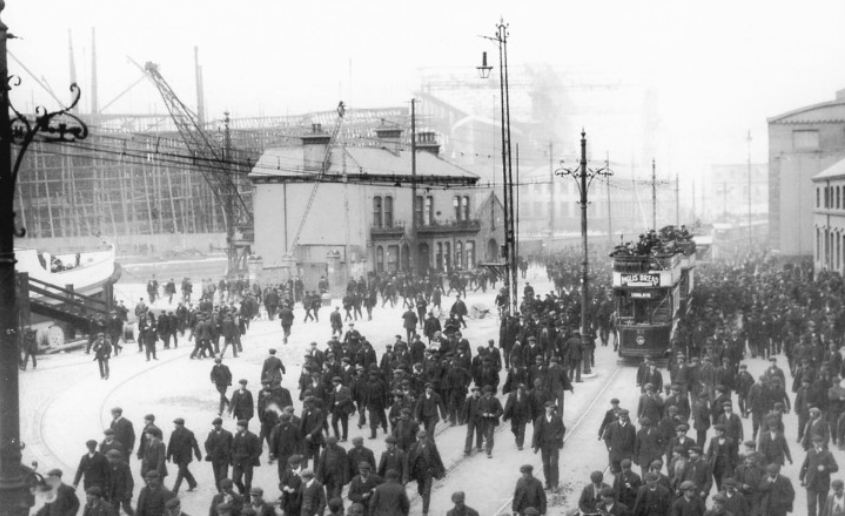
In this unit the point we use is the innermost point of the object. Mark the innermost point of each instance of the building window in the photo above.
(428, 212)
(805, 140)
(459, 255)
(418, 209)
(470, 250)
(379, 259)
(392, 258)
(818, 244)
(837, 197)
(447, 257)
(466, 207)
(456, 204)
(439, 257)
(818, 197)
(388, 211)
(377, 212)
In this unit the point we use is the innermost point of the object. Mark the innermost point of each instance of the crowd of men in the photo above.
(432, 374)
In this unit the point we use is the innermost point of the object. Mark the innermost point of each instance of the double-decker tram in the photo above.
(653, 283)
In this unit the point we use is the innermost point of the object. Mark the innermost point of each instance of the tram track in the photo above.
(502, 510)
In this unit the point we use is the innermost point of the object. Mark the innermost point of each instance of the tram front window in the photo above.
(637, 310)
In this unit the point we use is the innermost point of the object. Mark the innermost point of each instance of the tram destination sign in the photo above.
(639, 279)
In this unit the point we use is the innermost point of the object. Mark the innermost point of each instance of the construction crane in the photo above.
(222, 174)
(341, 110)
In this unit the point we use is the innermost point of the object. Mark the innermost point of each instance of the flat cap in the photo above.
(217, 421)
(179, 421)
(526, 468)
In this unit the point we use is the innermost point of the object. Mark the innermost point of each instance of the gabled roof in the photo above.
(362, 164)
(835, 171)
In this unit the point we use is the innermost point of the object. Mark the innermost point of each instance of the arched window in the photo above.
(459, 255)
(418, 209)
(466, 207)
(377, 220)
(456, 205)
(388, 211)
(379, 259)
(428, 211)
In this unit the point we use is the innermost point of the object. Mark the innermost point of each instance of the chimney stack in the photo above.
(390, 136)
(427, 141)
(314, 145)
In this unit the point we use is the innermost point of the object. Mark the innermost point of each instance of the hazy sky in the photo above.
(719, 67)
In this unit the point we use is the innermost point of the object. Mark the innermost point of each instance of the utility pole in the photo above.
(95, 108)
(551, 193)
(229, 201)
(653, 194)
(62, 125)
(583, 178)
(13, 490)
(413, 231)
(72, 60)
(750, 235)
(200, 93)
(607, 200)
(677, 201)
(516, 221)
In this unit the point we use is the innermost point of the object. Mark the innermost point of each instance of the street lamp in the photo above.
(583, 178)
(62, 126)
(510, 277)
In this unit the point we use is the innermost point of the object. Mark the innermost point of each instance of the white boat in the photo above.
(87, 271)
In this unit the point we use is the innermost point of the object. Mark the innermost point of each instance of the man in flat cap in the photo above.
(425, 465)
(182, 443)
(94, 503)
(340, 407)
(65, 503)
(815, 475)
(221, 377)
(246, 449)
(528, 493)
(835, 503)
(313, 495)
(242, 404)
(620, 437)
(778, 493)
(363, 484)
(124, 432)
(689, 502)
(490, 409)
(390, 498)
(93, 466)
(218, 449)
(460, 508)
(721, 455)
(120, 484)
(548, 439)
(153, 496)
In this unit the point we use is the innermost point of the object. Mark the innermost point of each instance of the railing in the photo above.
(68, 297)
(450, 226)
(397, 228)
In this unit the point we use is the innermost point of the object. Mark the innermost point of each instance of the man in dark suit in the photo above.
(392, 458)
(363, 484)
(182, 443)
(153, 496)
(285, 441)
(218, 449)
(609, 416)
(518, 411)
(528, 493)
(149, 423)
(123, 431)
(425, 465)
(358, 454)
(652, 498)
(815, 475)
(65, 503)
(649, 445)
(390, 498)
(221, 377)
(340, 406)
(620, 437)
(490, 410)
(272, 369)
(118, 489)
(246, 449)
(548, 439)
(333, 468)
(313, 495)
(427, 406)
(311, 429)
(472, 417)
(242, 405)
(773, 445)
(93, 466)
(778, 493)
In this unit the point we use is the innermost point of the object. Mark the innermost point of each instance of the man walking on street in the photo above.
(218, 450)
(221, 377)
(815, 475)
(182, 443)
(548, 439)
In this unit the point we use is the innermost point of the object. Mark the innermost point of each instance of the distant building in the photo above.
(802, 143)
(728, 191)
(360, 215)
(829, 218)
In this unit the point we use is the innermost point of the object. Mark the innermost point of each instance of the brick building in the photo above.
(802, 143)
